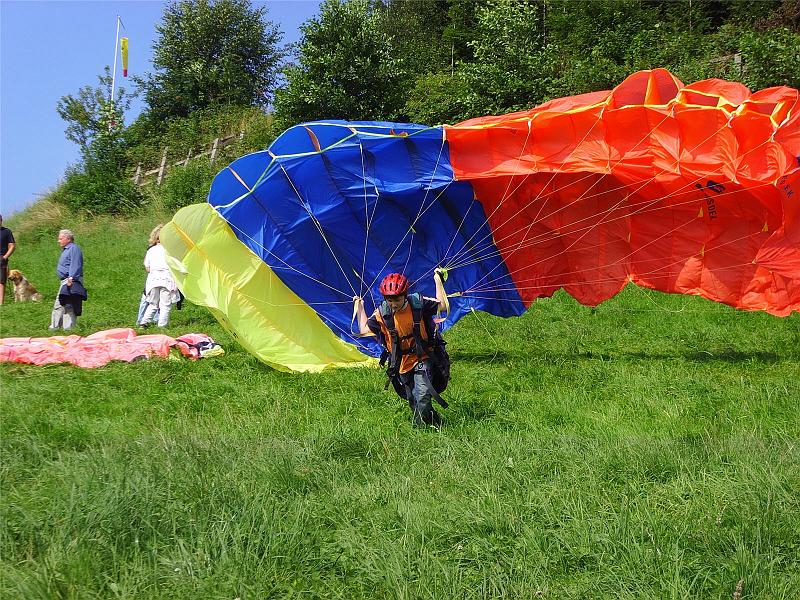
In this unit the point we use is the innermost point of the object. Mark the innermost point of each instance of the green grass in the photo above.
(646, 449)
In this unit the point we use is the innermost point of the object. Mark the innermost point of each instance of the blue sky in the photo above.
(52, 48)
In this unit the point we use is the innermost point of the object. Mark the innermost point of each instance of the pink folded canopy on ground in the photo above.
(94, 350)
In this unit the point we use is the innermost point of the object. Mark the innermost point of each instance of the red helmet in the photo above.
(394, 284)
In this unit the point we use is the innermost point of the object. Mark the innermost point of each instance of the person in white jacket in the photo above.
(160, 288)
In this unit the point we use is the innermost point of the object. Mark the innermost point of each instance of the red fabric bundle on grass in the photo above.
(98, 349)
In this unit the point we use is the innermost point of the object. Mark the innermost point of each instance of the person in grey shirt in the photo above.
(71, 293)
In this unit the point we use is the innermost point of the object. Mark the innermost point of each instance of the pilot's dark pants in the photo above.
(417, 383)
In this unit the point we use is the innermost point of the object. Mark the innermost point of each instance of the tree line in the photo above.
(428, 61)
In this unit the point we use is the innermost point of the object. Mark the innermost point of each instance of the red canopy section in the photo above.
(685, 189)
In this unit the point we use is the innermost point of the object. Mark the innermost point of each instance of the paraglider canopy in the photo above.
(682, 189)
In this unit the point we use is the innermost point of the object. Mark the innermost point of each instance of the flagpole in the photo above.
(114, 76)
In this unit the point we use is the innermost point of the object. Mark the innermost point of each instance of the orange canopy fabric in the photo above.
(685, 189)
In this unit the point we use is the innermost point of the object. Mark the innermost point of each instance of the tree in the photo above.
(348, 68)
(91, 115)
(98, 183)
(460, 29)
(515, 65)
(416, 28)
(210, 53)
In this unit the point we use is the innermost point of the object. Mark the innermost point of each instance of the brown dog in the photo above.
(23, 289)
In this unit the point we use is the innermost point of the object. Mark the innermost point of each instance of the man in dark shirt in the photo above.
(7, 245)
(413, 370)
(71, 292)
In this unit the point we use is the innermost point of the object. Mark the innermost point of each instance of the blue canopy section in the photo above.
(334, 206)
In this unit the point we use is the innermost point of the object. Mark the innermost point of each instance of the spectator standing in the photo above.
(160, 288)
(7, 246)
(71, 293)
(143, 300)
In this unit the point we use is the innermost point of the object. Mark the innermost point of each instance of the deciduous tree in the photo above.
(347, 67)
(212, 52)
(91, 114)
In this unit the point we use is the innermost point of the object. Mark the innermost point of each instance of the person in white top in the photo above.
(160, 288)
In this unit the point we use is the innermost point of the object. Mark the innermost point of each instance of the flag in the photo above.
(123, 44)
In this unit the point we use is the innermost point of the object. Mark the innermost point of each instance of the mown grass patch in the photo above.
(644, 449)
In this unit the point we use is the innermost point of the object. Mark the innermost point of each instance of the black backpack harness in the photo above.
(434, 346)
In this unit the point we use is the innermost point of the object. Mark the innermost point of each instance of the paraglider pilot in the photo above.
(418, 365)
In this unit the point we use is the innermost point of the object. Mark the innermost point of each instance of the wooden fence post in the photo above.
(140, 176)
(163, 167)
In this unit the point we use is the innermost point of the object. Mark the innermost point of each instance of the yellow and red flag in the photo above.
(123, 44)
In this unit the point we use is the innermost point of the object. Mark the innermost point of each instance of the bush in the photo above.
(259, 132)
(146, 139)
(42, 219)
(439, 98)
(770, 58)
(187, 185)
(98, 190)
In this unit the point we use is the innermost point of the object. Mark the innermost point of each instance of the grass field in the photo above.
(646, 449)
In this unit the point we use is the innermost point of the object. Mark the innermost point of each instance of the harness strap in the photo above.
(397, 352)
(420, 345)
(434, 394)
(417, 315)
(392, 370)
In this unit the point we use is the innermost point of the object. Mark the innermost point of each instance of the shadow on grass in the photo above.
(477, 410)
(734, 356)
(482, 357)
(346, 448)
(728, 356)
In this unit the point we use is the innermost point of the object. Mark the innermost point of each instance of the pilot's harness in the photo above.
(420, 347)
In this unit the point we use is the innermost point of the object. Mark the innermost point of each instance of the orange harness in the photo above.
(404, 335)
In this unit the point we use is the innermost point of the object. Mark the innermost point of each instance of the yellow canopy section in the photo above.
(214, 269)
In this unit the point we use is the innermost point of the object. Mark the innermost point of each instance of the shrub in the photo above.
(439, 98)
(146, 139)
(771, 58)
(98, 190)
(260, 131)
(187, 185)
